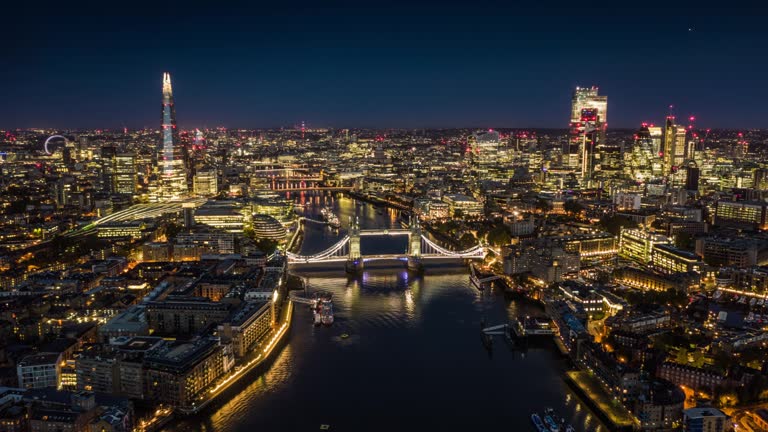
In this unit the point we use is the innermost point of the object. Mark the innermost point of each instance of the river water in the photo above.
(412, 359)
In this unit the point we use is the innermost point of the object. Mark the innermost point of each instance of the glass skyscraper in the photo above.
(589, 119)
(171, 167)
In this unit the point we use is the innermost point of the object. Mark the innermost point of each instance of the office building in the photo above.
(484, 147)
(728, 251)
(637, 244)
(172, 171)
(589, 120)
(741, 214)
(670, 260)
(124, 174)
(674, 150)
(205, 183)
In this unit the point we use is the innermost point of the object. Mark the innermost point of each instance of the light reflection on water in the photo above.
(412, 357)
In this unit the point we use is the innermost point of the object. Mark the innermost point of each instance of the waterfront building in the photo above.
(637, 244)
(177, 373)
(267, 227)
(569, 327)
(247, 326)
(184, 315)
(659, 406)
(618, 379)
(172, 171)
(130, 368)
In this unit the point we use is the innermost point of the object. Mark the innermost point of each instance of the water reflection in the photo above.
(411, 357)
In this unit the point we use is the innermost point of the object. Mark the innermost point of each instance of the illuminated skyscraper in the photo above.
(172, 171)
(589, 119)
(674, 146)
(485, 152)
(125, 177)
(205, 182)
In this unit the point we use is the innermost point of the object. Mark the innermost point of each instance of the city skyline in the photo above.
(381, 67)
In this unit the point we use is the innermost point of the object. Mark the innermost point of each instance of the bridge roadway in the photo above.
(380, 257)
(316, 188)
(384, 232)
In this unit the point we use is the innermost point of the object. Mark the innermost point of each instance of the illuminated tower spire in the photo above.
(172, 171)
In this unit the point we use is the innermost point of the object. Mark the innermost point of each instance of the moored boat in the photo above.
(538, 423)
(551, 424)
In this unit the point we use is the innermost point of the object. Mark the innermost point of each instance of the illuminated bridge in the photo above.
(419, 248)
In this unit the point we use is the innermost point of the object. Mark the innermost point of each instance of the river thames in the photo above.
(411, 358)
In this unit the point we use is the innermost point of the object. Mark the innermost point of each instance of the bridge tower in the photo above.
(414, 246)
(355, 261)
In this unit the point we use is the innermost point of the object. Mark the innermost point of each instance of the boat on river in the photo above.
(330, 217)
(538, 423)
(551, 424)
(322, 309)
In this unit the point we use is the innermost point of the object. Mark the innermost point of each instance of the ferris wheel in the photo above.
(50, 138)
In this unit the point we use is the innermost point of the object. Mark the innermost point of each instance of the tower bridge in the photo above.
(419, 248)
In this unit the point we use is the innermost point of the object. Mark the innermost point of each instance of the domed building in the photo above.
(267, 227)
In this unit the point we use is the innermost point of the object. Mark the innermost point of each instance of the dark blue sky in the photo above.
(380, 64)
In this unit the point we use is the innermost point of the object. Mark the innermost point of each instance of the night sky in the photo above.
(379, 64)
